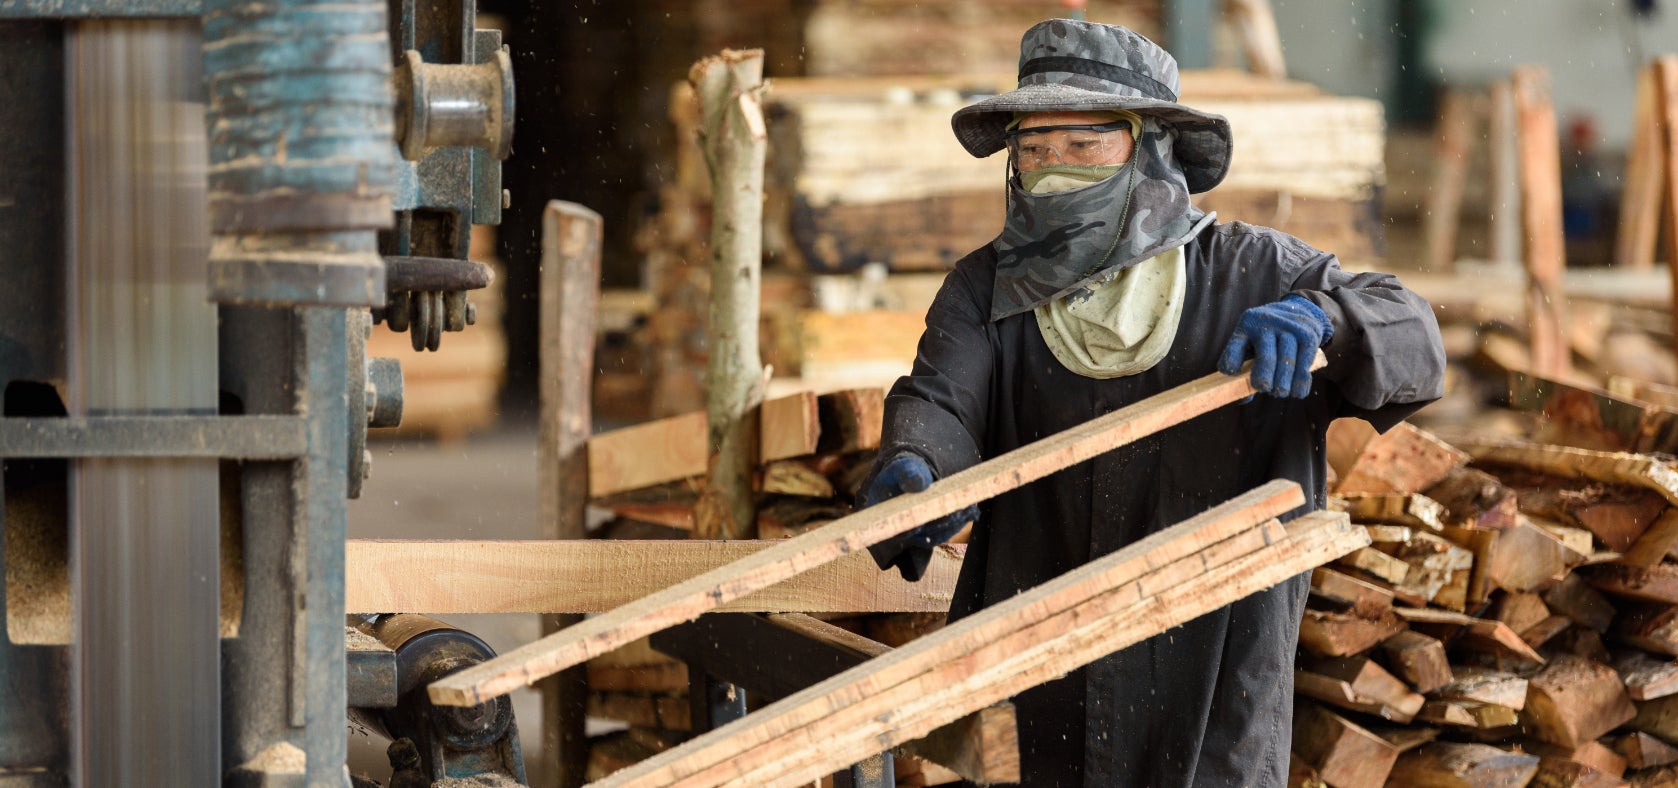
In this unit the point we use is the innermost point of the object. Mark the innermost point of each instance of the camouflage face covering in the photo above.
(1053, 244)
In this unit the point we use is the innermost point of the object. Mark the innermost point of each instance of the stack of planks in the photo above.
(1512, 622)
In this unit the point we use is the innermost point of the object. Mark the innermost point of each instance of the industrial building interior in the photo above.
(321, 323)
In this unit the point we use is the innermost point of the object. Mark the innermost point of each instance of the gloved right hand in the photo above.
(911, 551)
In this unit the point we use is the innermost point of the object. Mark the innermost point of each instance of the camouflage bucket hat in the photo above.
(1071, 65)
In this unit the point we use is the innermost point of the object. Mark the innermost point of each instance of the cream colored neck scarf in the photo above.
(1121, 326)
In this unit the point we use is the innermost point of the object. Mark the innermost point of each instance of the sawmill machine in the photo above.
(205, 208)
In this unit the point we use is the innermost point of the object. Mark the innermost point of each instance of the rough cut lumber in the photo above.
(1418, 659)
(1541, 218)
(1359, 684)
(1649, 627)
(1378, 564)
(660, 677)
(849, 534)
(1521, 611)
(1454, 765)
(1388, 534)
(646, 711)
(1591, 418)
(1482, 685)
(1364, 599)
(1566, 773)
(1434, 562)
(1473, 497)
(1655, 543)
(1412, 509)
(1637, 470)
(1594, 754)
(1647, 678)
(1640, 200)
(982, 747)
(594, 575)
(851, 420)
(1573, 701)
(672, 449)
(974, 661)
(1620, 517)
(1471, 632)
(1468, 714)
(1518, 558)
(1657, 583)
(569, 291)
(1344, 754)
(1544, 631)
(1579, 540)
(1405, 459)
(1331, 634)
(1574, 598)
(1643, 751)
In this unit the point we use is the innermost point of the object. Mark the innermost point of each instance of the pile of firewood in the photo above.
(1516, 619)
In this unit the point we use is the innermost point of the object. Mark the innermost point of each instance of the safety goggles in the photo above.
(1089, 145)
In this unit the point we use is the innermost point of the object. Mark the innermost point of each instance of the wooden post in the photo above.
(570, 297)
(730, 88)
(1451, 151)
(1666, 85)
(1263, 45)
(1506, 182)
(1640, 201)
(1546, 246)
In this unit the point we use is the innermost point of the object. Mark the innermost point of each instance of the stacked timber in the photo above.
(1511, 622)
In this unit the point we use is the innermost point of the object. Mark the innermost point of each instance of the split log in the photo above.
(1377, 564)
(1406, 739)
(1591, 418)
(1411, 509)
(1474, 497)
(1521, 611)
(1545, 631)
(1388, 534)
(1368, 686)
(1404, 459)
(1579, 540)
(1494, 637)
(1593, 754)
(1574, 598)
(847, 535)
(1647, 678)
(1658, 717)
(851, 420)
(1580, 642)
(1344, 754)
(1643, 751)
(1329, 634)
(1652, 628)
(1454, 765)
(1364, 599)
(1433, 562)
(1518, 558)
(1636, 470)
(943, 675)
(1573, 701)
(1468, 714)
(1564, 773)
(1621, 517)
(1480, 685)
(1419, 659)
(1658, 583)
(1655, 543)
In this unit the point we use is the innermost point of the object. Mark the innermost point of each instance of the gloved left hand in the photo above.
(1282, 338)
(911, 551)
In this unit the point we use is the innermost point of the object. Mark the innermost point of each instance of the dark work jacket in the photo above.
(1209, 703)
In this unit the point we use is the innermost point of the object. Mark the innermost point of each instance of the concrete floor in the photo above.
(481, 488)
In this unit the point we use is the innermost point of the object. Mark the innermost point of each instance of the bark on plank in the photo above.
(1647, 678)
(1541, 218)
(1344, 754)
(1475, 498)
(1331, 634)
(1404, 459)
(1455, 765)
(1643, 751)
(1636, 470)
(1433, 562)
(897, 695)
(847, 535)
(1418, 659)
(1655, 543)
(594, 575)
(1573, 701)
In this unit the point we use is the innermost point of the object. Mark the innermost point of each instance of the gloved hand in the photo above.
(911, 551)
(1283, 338)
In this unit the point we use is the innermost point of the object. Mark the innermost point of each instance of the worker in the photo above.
(1105, 286)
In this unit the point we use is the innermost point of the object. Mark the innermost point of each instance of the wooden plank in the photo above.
(1418, 659)
(1330, 634)
(1468, 714)
(1541, 218)
(1573, 701)
(1364, 599)
(970, 662)
(1484, 685)
(1471, 632)
(1367, 679)
(1640, 200)
(1343, 753)
(1411, 509)
(1259, 40)
(1652, 547)
(1658, 583)
(1455, 765)
(667, 450)
(1523, 557)
(1666, 94)
(849, 534)
(1377, 564)
(1637, 470)
(851, 420)
(1404, 459)
(569, 293)
(1580, 415)
(1647, 678)
(1444, 200)
(660, 677)
(646, 711)
(595, 575)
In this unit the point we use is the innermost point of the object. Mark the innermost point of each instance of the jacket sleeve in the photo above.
(940, 409)
(1386, 357)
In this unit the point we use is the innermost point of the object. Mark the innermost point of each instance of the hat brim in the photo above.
(1203, 143)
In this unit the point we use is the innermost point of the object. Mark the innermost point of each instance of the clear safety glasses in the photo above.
(1042, 146)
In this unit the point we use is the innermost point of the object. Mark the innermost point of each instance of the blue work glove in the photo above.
(1282, 338)
(911, 551)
